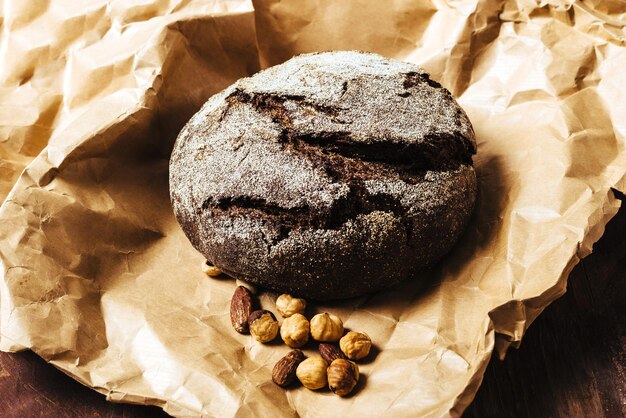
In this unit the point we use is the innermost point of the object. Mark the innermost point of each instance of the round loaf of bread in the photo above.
(332, 175)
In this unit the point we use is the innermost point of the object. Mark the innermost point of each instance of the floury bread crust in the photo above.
(329, 176)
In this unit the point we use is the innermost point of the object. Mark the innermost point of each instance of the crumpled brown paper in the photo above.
(98, 279)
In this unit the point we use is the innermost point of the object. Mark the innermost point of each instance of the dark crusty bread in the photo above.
(329, 176)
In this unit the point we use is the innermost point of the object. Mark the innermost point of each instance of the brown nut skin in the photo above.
(287, 305)
(343, 376)
(253, 289)
(210, 270)
(326, 327)
(295, 330)
(355, 345)
(240, 309)
(330, 352)
(312, 373)
(263, 325)
(284, 372)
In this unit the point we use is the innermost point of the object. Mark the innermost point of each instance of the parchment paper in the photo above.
(99, 280)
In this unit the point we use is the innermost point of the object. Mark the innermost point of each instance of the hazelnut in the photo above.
(343, 376)
(210, 270)
(355, 345)
(287, 305)
(284, 372)
(312, 373)
(263, 325)
(326, 327)
(295, 330)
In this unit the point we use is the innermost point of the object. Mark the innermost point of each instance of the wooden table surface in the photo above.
(572, 361)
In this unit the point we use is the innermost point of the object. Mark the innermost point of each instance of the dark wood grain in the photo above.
(31, 388)
(572, 361)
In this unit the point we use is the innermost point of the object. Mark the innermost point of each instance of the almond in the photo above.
(240, 309)
(330, 352)
(284, 372)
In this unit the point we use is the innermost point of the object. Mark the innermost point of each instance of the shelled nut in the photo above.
(312, 373)
(287, 305)
(263, 325)
(355, 345)
(343, 376)
(326, 327)
(295, 330)
(210, 270)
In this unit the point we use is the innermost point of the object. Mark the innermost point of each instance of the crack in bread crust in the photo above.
(343, 160)
(433, 154)
(357, 202)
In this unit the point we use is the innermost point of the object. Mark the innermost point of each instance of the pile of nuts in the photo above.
(335, 366)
